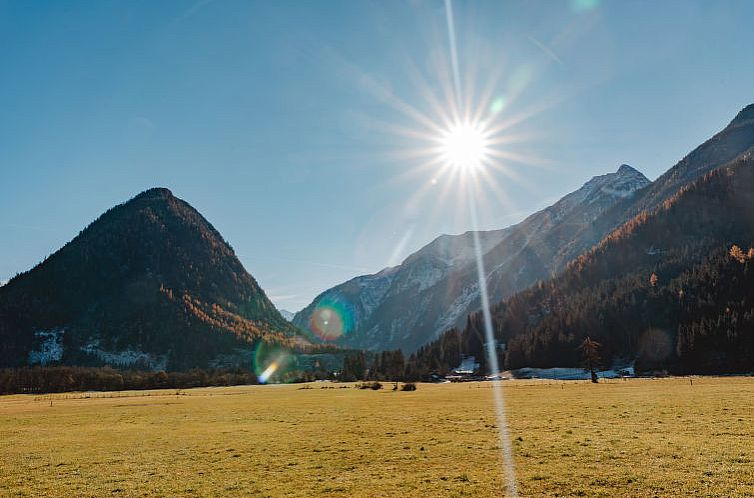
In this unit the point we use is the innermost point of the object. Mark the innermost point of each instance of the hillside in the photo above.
(731, 142)
(436, 287)
(364, 300)
(150, 284)
(668, 290)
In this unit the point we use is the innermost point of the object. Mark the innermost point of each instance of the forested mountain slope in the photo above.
(150, 283)
(671, 289)
(409, 305)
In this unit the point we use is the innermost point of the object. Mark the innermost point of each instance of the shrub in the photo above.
(369, 385)
(409, 386)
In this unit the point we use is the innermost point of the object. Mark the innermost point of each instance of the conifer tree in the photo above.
(737, 254)
(590, 352)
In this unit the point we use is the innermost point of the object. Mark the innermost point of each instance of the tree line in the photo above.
(57, 379)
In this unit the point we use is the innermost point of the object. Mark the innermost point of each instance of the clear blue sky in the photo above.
(275, 119)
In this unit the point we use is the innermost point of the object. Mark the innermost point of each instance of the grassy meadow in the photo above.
(637, 438)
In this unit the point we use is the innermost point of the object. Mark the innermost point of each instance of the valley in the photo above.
(423, 248)
(649, 438)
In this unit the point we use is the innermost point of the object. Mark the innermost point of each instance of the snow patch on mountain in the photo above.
(126, 358)
(457, 309)
(360, 296)
(455, 250)
(373, 288)
(421, 275)
(598, 191)
(48, 347)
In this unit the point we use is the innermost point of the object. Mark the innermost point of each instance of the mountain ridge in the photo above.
(669, 290)
(535, 249)
(150, 281)
(424, 272)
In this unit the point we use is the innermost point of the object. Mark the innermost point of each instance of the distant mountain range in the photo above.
(436, 288)
(671, 290)
(150, 284)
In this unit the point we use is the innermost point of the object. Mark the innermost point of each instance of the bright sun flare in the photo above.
(464, 146)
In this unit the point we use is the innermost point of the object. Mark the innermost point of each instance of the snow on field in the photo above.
(468, 365)
(570, 373)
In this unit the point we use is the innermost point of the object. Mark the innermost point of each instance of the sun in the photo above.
(464, 146)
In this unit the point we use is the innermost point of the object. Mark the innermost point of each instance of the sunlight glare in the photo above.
(464, 146)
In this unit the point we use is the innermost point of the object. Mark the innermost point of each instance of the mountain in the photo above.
(536, 249)
(288, 315)
(731, 142)
(672, 289)
(150, 284)
(436, 287)
(357, 301)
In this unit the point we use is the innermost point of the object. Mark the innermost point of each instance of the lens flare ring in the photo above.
(271, 362)
(331, 319)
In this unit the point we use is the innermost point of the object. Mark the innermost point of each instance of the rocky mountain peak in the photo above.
(155, 193)
(600, 189)
(628, 170)
(744, 117)
(626, 179)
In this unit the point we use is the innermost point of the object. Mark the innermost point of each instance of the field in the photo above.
(637, 438)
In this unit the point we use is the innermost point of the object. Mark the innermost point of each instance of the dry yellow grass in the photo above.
(638, 438)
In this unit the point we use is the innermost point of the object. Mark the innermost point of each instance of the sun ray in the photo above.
(465, 146)
(519, 157)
